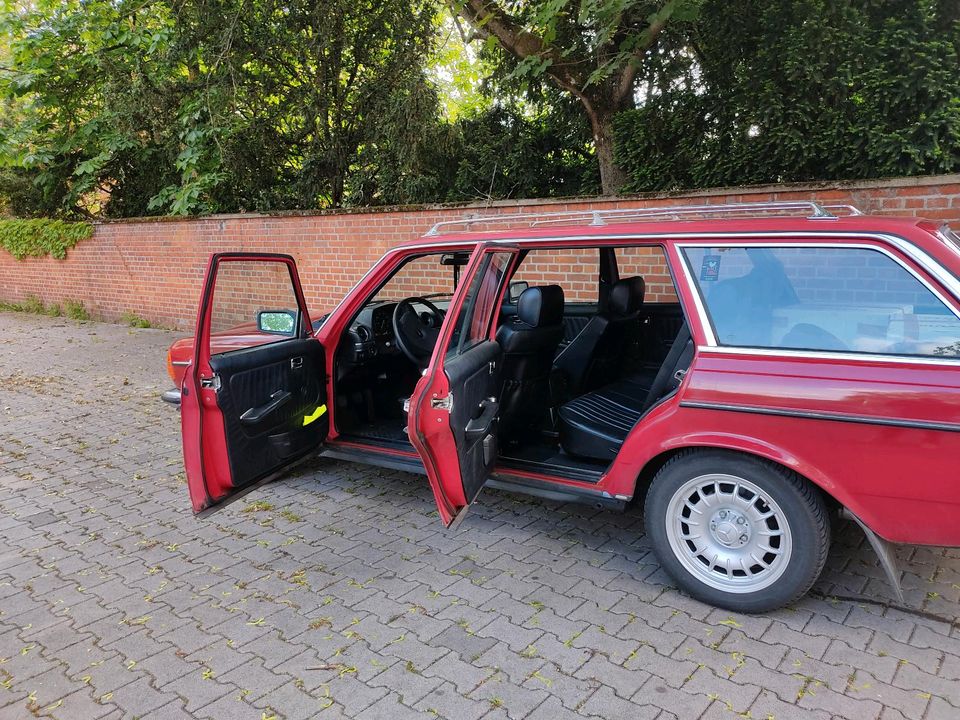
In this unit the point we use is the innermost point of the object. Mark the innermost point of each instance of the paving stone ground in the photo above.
(336, 593)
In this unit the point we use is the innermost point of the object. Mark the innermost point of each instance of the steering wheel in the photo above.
(417, 334)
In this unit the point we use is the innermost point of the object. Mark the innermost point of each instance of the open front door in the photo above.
(455, 408)
(254, 399)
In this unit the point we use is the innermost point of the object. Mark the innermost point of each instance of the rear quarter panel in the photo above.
(881, 436)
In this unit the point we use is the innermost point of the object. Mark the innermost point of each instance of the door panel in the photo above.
(265, 395)
(455, 407)
(473, 419)
(254, 398)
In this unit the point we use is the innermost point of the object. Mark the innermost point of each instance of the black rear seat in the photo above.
(595, 425)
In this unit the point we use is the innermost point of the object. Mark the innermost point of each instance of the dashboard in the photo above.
(371, 333)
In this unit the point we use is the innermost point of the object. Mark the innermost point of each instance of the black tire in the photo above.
(800, 503)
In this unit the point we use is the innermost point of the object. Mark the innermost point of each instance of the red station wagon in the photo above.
(751, 371)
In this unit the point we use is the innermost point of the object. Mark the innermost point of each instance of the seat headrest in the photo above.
(626, 296)
(541, 305)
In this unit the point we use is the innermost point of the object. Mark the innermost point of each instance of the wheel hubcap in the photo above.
(729, 533)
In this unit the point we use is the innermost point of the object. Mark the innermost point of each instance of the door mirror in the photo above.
(277, 322)
(516, 290)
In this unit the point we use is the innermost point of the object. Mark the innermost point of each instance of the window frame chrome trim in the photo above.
(793, 354)
(710, 332)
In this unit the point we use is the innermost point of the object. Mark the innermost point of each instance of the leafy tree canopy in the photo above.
(794, 90)
(134, 107)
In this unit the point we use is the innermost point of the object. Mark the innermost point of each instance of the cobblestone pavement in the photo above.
(336, 593)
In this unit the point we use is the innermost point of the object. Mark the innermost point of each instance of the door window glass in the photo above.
(476, 313)
(254, 303)
(576, 270)
(821, 298)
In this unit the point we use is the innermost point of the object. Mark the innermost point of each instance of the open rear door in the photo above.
(455, 408)
(254, 399)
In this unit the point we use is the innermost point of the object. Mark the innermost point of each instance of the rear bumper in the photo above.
(171, 396)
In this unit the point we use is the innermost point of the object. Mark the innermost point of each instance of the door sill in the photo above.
(503, 480)
(361, 450)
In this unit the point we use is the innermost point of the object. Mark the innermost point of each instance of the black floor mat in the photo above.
(384, 430)
(550, 458)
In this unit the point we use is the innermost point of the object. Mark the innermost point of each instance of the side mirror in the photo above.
(516, 290)
(277, 322)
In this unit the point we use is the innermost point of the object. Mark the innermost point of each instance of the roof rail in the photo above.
(595, 218)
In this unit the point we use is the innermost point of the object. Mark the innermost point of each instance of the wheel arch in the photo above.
(833, 494)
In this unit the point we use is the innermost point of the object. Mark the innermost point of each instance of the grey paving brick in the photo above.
(516, 701)
(138, 698)
(446, 702)
(465, 676)
(605, 703)
(410, 683)
(623, 681)
(392, 707)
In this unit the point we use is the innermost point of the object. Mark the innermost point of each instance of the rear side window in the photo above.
(821, 298)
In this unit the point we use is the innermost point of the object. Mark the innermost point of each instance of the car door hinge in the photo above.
(211, 382)
(444, 403)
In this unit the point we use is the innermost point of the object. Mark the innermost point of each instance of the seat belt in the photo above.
(669, 367)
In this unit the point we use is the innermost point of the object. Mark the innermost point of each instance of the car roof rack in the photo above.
(599, 218)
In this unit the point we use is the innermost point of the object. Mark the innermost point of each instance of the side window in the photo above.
(650, 263)
(576, 270)
(821, 298)
(254, 303)
(476, 313)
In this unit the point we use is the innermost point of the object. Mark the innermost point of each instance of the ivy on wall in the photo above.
(39, 237)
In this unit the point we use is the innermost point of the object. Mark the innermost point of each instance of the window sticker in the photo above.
(710, 269)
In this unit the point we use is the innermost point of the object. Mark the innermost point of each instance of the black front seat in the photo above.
(529, 343)
(594, 355)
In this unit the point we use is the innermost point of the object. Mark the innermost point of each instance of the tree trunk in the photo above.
(612, 176)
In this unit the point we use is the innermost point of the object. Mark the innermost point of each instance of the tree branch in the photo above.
(488, 18)
(624, 85)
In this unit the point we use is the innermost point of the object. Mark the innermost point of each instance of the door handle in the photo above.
(257, 414)
(480, 425)
(296, 363)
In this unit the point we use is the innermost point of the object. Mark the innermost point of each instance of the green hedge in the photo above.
(40, 237)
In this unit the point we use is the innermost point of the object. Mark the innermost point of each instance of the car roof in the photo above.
(814, 228)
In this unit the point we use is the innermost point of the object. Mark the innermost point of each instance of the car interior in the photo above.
(584, 354)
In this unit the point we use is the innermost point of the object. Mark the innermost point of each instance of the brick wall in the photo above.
(154, 268)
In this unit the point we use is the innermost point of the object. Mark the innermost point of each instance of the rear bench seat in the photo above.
(595, 425)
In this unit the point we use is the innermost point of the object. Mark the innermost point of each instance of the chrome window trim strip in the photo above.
(823, 415)
(789, 353)
(921, 258)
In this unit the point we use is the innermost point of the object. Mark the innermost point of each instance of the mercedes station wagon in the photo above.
(750, 372)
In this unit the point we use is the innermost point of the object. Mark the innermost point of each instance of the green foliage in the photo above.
(798, 90)
(506, 152)
(72, 309)
(39, 237)
(120, 108)
(135, 321)
(75, 310)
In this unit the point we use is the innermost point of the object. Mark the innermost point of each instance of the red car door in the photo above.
(249, 413)
(455, 407)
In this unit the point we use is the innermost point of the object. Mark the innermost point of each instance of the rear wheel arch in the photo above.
(780, 460)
